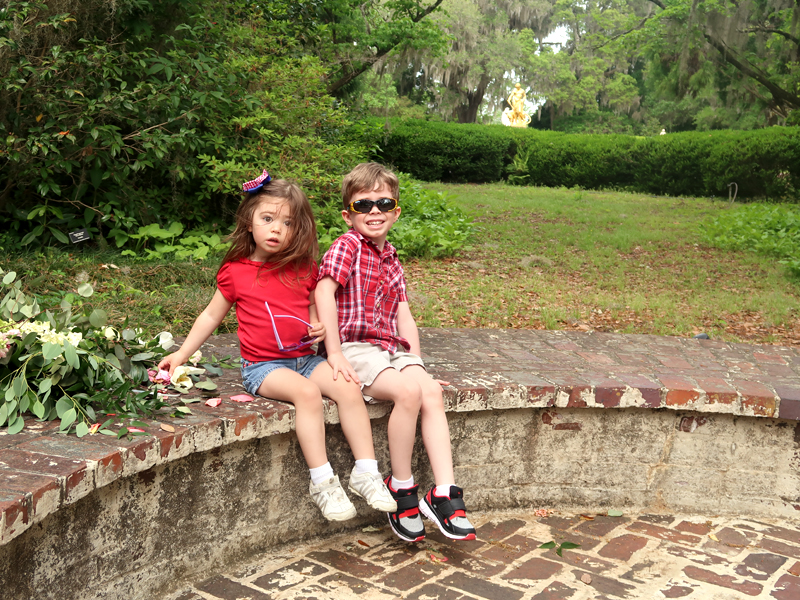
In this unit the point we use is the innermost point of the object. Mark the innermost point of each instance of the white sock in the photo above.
(367, 465)
(399, 484)
(444, 489)
(320, 474)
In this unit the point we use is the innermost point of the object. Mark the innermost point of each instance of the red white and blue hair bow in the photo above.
(257, 183)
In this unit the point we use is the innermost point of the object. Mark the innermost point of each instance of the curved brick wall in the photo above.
(538, 419)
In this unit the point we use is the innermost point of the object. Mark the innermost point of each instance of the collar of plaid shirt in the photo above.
(368, 304)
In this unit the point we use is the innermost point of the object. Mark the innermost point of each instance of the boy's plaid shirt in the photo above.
(371, 288)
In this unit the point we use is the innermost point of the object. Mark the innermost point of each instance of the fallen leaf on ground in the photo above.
(614, 513)
(586, 578)
(214, 402)
(370, 529)
(363, 543)
(242, 398)
(587, 517)
(542, 512)
(136, 429)
(167, 427)
(713, 537)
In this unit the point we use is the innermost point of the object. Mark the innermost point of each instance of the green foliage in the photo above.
(437, 151)
(116, 116)
(67, 363)
(764, 163)
(772, 230)
(559, 547)
(430, 224)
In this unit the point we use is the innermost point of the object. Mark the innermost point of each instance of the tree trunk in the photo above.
(468, 112)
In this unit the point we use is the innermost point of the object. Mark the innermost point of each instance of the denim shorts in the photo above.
(254, 373)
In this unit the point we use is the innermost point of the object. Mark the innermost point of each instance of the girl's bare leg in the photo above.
(288, 386)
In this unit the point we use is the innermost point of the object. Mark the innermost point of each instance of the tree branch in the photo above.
(785, 34)
(780, 95)
(356, 70)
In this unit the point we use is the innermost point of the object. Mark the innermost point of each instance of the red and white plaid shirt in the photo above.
(371, 288)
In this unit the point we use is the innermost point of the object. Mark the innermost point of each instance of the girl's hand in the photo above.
(442, 382)
(339, 364)
(170, 362)
(317, 331)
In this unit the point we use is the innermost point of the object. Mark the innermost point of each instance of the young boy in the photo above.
(361, 293)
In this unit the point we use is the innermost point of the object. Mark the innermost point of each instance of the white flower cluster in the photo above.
(45, 333)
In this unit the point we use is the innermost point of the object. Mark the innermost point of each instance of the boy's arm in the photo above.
(407, 328)
(317, 329)
(203, 327)
(326, 310)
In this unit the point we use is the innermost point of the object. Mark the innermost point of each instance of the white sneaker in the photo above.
(372, 489)
(332, 501)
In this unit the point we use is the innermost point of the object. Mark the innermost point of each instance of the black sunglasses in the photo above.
(365, 206)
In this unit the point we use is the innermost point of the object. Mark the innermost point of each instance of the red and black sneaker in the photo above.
(448, 512)
(406, 522)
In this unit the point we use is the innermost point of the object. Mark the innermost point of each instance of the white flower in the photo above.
(165, 340)
(180, 377)
(111, 334)
(196, 357)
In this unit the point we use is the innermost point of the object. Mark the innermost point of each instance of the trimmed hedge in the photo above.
(764, 162)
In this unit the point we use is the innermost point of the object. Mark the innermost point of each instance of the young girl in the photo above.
(269, 273)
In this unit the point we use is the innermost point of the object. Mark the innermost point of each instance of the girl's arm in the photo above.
(203, 327)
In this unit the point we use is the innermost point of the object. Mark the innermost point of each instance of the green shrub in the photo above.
(430, 225)
(763, 163)
(773, 230)
(436, 151)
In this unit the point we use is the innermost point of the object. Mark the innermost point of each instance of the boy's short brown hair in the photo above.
(368, 176)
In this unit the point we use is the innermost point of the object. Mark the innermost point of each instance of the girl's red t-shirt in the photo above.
(248, 284)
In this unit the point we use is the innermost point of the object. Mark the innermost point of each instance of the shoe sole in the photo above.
(401, 536)
(427, 510)
(378, 505)
(341, 516)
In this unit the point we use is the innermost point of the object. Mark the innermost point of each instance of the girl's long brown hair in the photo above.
(296, 260)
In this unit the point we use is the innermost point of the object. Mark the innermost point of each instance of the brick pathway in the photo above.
(645, 556)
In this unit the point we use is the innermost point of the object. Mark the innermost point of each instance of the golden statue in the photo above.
(515, 116)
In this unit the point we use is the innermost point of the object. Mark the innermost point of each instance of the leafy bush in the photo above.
(118, 115)
(436, 151)
(773, 230)
(763, 163)
(430, 225)
(67, 363)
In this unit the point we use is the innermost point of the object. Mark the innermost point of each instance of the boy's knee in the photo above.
(408, 394)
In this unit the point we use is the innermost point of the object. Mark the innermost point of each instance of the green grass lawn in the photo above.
(541, 258)
(630, 263)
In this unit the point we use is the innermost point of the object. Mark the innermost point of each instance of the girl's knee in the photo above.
(307, 395)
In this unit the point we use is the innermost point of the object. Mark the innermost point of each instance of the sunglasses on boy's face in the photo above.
(365, 206)
(305, 342)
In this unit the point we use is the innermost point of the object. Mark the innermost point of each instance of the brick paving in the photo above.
(633, 556)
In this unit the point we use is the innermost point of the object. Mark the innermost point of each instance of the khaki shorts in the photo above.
(369, 360)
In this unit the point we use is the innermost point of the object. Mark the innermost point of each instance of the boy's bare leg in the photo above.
(309, 423)
(435, 429)
(406, 394)
(353, 415)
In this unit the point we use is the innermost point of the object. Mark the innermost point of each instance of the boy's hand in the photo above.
(340, 364)
(317, 331)
(442, 382)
